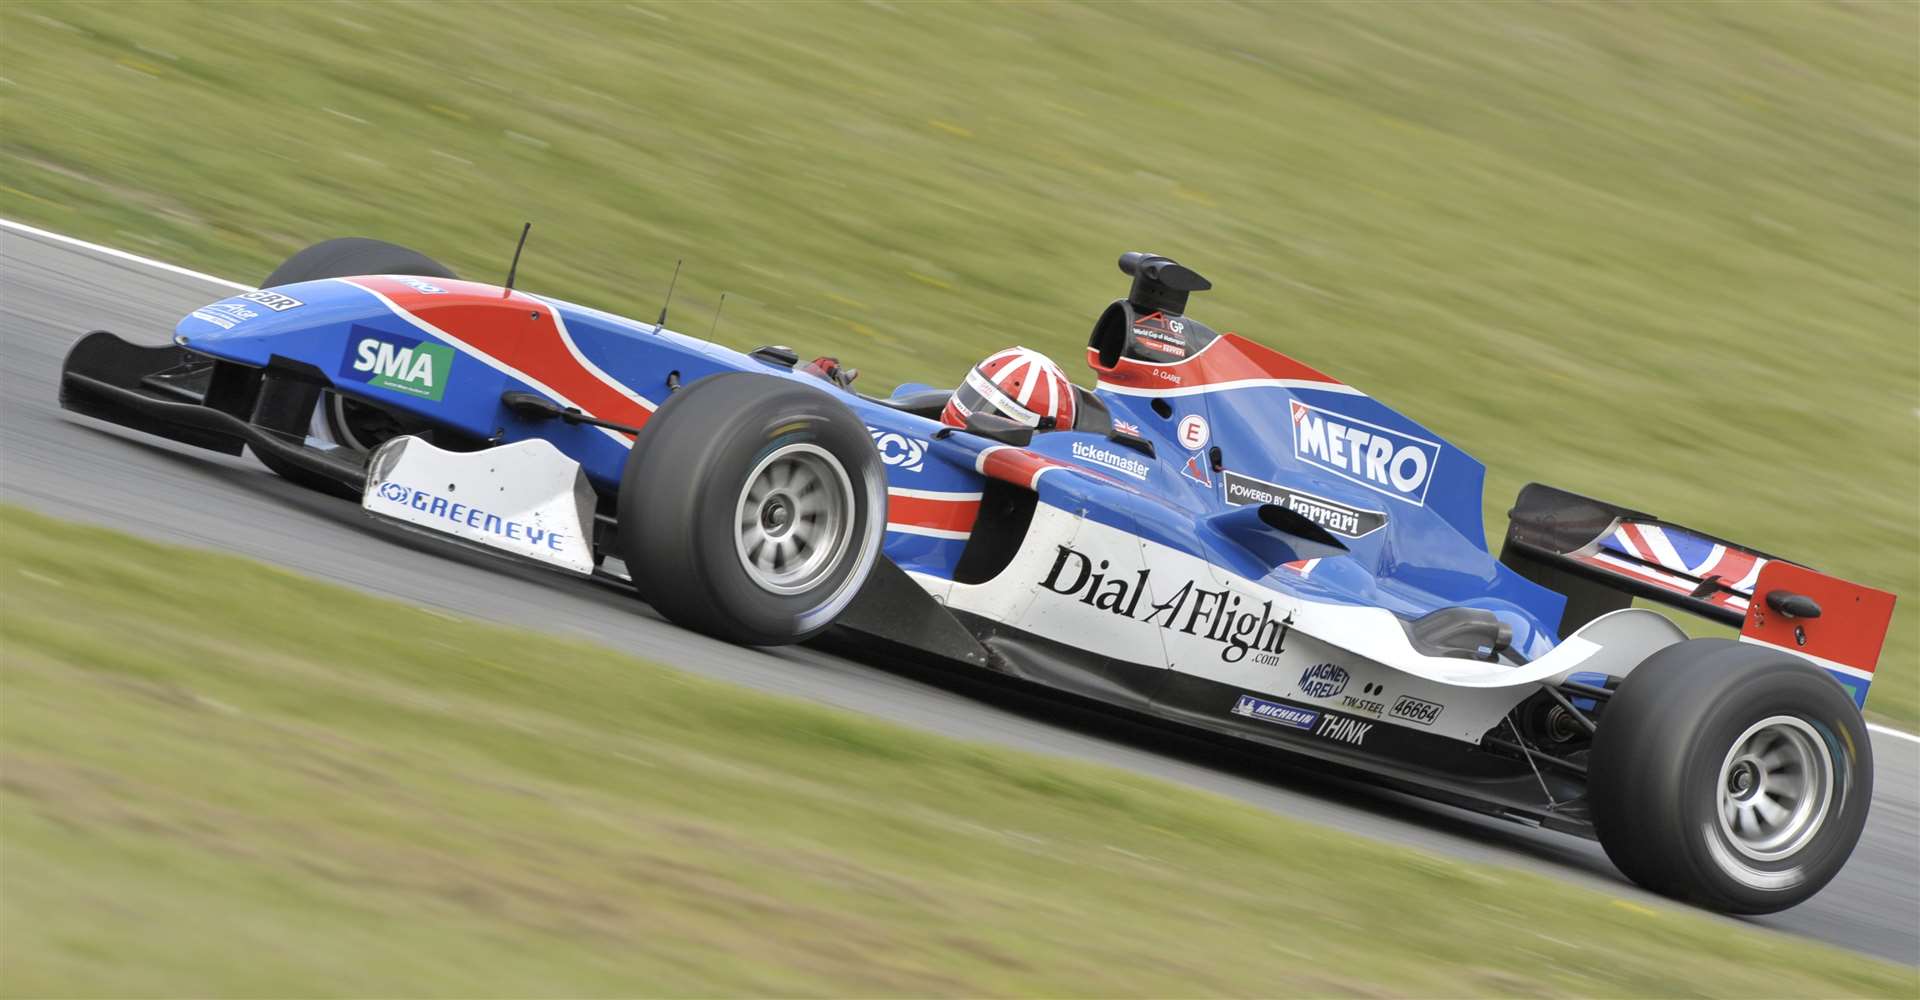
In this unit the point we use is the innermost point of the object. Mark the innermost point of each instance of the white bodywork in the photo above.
(525, 498)
(1160, 607)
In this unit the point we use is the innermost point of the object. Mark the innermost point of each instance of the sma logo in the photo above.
(399, 364)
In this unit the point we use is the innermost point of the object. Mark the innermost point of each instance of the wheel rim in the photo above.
(794, 519)
(359, 425)
(351, 424)
(1776, 785)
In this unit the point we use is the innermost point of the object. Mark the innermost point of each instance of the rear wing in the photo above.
(1601, 556)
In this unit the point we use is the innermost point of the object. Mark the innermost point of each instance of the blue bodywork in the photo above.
(1430, 553)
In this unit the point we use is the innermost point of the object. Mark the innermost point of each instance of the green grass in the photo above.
(220, 779)
(1662, 254)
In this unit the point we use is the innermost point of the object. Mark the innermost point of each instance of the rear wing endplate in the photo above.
(1601, 556)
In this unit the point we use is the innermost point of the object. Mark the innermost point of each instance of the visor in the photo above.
(978, 393)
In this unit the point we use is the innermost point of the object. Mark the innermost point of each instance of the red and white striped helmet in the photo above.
(1018, 384)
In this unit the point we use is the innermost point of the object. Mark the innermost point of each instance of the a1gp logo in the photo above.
(396, 363)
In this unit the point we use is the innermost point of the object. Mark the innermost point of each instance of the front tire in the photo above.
(1730, 775)
(352, 256)
(752, 509)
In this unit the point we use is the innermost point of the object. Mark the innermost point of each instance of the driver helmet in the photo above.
(1022, 385)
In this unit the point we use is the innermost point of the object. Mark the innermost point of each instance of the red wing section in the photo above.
(1842, 635)
(1602, 556)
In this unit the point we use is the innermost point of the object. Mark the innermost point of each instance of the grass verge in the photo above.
(218, 779)
(1661, 254)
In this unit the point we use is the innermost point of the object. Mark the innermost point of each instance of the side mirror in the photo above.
(1793, 605)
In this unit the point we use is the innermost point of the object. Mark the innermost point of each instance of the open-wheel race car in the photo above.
(1220, 535)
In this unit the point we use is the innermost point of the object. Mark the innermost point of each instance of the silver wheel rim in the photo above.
(1776, 785)
(342, 428)
(794, 519)
(330, 425)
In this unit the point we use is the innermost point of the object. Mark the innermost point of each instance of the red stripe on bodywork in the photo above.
(924, 512)
(517, 331)
(1231, 358)
(1016, 465)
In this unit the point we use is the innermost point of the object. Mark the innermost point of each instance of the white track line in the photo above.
(123, 255)
(176, 269)
(1895, 733)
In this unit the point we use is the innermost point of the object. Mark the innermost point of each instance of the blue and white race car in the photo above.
(1224, 537)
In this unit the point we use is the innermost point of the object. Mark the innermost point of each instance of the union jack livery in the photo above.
(1642, 550)
(1023, 386)
(1215, 534)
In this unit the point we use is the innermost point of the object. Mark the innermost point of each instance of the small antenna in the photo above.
(716, 315)
(514, 268)
(662, 321)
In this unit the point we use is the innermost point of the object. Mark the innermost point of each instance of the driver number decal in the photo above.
(1193, 432)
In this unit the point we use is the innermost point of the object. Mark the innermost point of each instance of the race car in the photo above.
(1220, 535)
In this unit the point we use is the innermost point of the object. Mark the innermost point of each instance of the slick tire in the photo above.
(337, 420)
(1731, 776)
(354, 255)
(752, 509)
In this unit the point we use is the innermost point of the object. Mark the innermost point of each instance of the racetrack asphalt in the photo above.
(52, 291)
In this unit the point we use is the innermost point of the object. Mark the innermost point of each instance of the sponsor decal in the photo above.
(899, 450)
(1385, 461)
(471, 516)
(400, 364)
(1160, 335)
(1132, 430)
(1192, 432)
(273, 300)
(423, 287)
(1304, 567)
(1170, 348)
(1008, 407)
(1197, 471)
(1111, 461)
(1337, 517)
(1274, 712)
(1416, 710)
(1323, 680)
(1367, 700)
(1341, 730)
(1222, 616)
(225, 315)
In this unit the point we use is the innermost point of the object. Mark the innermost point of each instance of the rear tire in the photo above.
(338, 420)
(1730, 775)
(752, 509)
